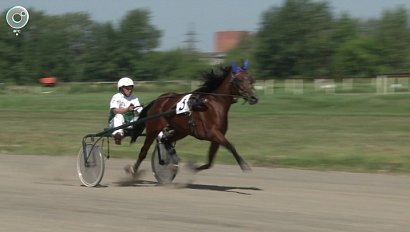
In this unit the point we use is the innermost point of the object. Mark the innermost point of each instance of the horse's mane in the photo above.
(212, 80)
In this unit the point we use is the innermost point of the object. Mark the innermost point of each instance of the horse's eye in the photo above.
(238, 80)
(250, 79)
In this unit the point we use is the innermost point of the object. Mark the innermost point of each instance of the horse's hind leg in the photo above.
(211, 156)
(142, 155)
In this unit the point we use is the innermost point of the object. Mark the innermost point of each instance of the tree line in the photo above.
(303, 38)
(300, 38)
(72, 47)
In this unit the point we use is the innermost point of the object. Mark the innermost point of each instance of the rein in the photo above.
(233, 81)
(205, 93)
(220, 94)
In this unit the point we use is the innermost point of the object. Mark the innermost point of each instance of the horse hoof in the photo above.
(246, 168)
(129, 169)
(191, 167)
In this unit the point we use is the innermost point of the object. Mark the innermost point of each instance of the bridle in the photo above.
(235, 83)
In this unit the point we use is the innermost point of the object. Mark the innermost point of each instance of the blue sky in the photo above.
(175, 17)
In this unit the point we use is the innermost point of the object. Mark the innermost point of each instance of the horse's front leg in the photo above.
(244, 166)
(219, 139)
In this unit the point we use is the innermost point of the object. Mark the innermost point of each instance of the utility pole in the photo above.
(191, 38)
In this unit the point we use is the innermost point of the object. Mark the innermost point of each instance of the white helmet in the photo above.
(125, 81)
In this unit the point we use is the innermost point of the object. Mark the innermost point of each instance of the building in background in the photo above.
(226, 40)
(223, 42)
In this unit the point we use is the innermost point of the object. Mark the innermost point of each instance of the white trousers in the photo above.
(118, 120)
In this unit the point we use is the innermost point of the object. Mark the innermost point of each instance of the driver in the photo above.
(124, 108)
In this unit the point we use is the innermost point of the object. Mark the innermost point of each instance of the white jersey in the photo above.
(121, 101)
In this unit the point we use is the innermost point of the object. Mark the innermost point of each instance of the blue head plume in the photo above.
(245, 65)
(235, 68)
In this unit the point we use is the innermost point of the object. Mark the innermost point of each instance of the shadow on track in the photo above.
(232, 189)
(145, 183)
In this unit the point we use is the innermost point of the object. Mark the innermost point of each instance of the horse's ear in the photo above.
(245, 64)
(234, 67)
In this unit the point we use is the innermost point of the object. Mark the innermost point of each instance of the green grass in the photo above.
(364, 133)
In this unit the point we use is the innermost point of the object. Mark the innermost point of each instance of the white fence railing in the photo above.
(382, 84)
(379, 85)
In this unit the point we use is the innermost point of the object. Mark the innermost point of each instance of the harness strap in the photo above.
(191, 124)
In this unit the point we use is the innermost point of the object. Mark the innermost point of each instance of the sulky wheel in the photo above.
(90, 165)
(164, 163)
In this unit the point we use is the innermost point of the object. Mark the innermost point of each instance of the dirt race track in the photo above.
(41, 193)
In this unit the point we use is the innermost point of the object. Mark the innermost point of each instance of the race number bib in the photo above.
(182, 105)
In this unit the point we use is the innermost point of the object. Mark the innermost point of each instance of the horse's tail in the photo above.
(137, 129)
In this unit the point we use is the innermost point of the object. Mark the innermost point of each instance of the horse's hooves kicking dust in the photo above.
(131, 179)
(129, 169)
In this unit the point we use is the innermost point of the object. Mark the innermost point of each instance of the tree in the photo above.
(294, 39)
(344, 29)
(74, 48)
(98, 61)
(48, 45)
(136, 38)
(357, 57)
(393, 34)
(178, 64)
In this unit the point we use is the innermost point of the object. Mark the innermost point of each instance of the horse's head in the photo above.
(242, 82)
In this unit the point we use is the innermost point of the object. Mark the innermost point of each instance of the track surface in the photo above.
(41, 193)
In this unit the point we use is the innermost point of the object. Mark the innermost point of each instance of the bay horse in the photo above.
(217, 92)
